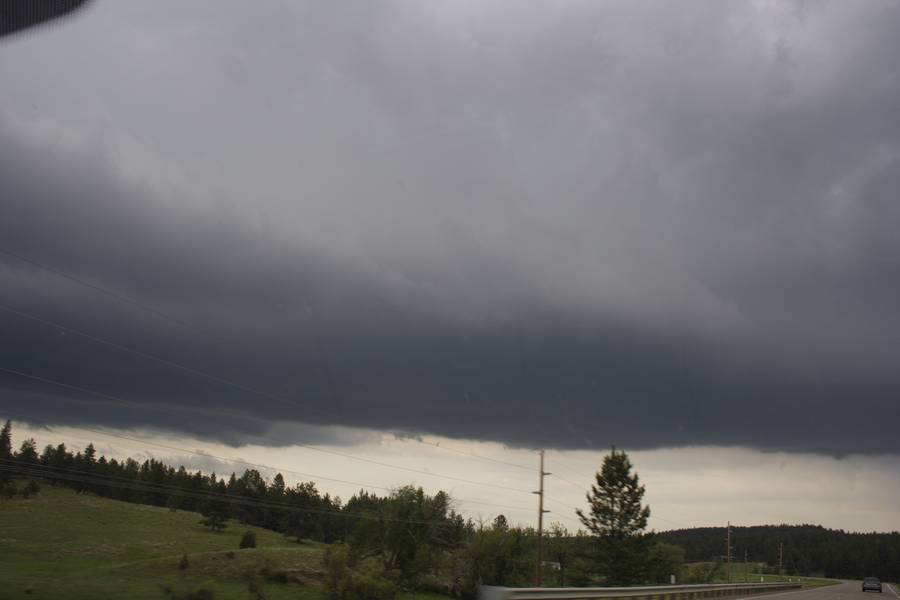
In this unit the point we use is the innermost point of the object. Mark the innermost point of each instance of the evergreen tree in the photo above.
(28, 451)
(215, 515)
(276, 490)
(5, 452)
(664, 561)
(500, 523)
(90, 454)
(248, 540)
(618, 520)
(31, 489)
(6, 441)
(8, 490)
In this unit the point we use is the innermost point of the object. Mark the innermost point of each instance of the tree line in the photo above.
(810, 550)
(419, 540)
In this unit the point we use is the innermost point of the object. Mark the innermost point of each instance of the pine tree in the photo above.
(32, 488)
(248, 540)
(618, 520)
(90, 454)
(28, 451)
(276, 490)
(215, 515)
(5, 453)
(6, 441)
(500, 523)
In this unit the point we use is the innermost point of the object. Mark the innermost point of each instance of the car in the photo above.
(871, 583)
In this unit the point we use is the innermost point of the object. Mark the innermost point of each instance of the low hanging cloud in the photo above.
(562, 226)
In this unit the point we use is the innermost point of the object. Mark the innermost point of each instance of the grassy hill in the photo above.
(62, 544)
(750, 573)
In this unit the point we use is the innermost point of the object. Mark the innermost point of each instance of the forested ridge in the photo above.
(424, 543)
(419, 540)
(808, 549)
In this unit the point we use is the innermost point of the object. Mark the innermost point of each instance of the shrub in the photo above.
(200, 594)
(215, 522)
(9, 490)
(183, 563)
(248, 540)
(341, 583)
(215, 515)
(31, 489)
(336, 562)
(365, 587)
(274, 576)
(257, 589)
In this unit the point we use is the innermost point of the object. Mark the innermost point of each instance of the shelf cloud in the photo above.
(565, 225)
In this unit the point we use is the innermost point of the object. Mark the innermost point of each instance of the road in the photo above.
(848, 590)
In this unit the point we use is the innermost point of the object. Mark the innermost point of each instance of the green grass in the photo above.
(744, 572)
(808, 582)
(78, 546)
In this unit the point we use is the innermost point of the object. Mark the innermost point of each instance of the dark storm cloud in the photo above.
(575, 226)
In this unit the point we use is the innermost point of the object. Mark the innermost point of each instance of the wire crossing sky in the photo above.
(475, 225)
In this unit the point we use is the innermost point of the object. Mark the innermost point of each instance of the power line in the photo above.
(270, 467)
(572, 471)
(473, 455)
(308, 446)
(106, 291)
(419, 471)
(570, 482)
(221, 458)
(682, 525)
(213, 377)
(174, 364)
(561, 503)
(121, 482)
(158, 359)
(119, 400)
(587, 491)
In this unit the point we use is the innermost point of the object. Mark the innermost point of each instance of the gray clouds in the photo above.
(568, 225)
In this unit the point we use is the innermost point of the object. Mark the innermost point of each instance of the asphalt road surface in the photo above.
(848, 590)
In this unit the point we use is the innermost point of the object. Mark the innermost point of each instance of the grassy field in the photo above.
(746, 572)
(808, 582)
(77, 546)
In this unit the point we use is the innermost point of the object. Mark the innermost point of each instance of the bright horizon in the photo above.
(500, 226)
(688, 487)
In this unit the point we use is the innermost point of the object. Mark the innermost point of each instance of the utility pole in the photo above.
(539, 567)
(746, 567)
(728, 552)
(780, 557)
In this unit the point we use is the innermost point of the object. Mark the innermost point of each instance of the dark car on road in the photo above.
(871, 583)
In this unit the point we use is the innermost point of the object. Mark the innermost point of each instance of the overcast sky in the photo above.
(514, 224)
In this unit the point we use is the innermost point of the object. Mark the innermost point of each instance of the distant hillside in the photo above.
(65, 544)
(62, 544)
(808, 549)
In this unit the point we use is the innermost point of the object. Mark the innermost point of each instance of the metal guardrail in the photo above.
(660, 592)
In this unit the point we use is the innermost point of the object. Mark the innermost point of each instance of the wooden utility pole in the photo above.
(539, 567)
(780, 557)
(728, 552)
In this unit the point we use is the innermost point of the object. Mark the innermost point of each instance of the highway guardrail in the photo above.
(660, 592)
